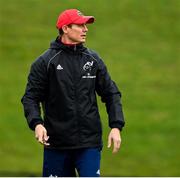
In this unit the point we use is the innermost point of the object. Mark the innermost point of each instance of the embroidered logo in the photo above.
(59, 67)
(88, 66)
(79, 13)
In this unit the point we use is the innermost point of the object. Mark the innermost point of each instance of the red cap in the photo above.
(73, 16)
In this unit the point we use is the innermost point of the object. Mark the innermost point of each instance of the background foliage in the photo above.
(139, 42)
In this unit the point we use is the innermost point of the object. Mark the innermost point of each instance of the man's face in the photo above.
(76, 33)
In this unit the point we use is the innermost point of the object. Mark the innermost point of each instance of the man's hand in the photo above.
(41, 134)
(114, 136)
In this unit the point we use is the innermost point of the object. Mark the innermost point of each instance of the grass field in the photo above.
(139, 42)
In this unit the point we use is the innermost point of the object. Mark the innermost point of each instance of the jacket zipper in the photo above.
(75, 47)
(76, 101)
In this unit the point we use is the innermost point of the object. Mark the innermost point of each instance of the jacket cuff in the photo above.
(35, 122)
(117, 125)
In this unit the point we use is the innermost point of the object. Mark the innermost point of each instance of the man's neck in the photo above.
(67, 41)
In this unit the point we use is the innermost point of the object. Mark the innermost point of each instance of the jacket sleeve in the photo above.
(35, 93)
(110, 95)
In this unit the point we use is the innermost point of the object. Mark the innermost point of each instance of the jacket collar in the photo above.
(57, 44)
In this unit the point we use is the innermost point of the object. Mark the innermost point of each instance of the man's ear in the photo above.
(65, 29)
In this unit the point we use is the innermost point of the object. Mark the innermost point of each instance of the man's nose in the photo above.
(85, 29)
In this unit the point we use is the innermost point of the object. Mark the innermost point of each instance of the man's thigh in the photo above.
(58, 163)
(87, 162)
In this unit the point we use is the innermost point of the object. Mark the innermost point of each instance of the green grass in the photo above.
(139, 42)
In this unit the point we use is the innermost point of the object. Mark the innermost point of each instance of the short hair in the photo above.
(61, 32)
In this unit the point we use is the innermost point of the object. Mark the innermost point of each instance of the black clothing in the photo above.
(65, 80)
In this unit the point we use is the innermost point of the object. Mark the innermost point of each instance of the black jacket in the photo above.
(65, 80)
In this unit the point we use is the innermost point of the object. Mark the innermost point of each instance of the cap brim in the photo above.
(85, 20)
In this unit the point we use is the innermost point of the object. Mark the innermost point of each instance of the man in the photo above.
(65, 79)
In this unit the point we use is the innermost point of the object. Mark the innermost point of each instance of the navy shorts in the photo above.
(86, 162)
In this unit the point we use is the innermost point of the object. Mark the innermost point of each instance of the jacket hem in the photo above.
(73, 147)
